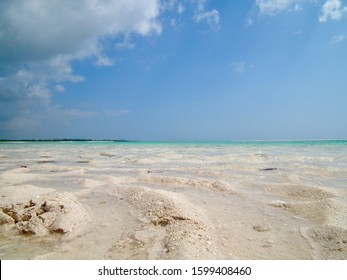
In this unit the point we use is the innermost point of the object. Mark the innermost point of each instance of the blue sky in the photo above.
(173, 70)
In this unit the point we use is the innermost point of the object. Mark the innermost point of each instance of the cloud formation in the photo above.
(332, 9)
(270, 7)
(41, 30)
(201, 15)
(40, 39)
(239, 67)
(337, 39)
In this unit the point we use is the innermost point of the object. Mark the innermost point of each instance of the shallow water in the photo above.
(250, 176)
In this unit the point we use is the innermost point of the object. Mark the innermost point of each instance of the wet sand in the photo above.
(172, 202)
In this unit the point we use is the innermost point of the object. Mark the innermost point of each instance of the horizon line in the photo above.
(173, 141)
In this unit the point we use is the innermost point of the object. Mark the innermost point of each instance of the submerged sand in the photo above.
(172, 202)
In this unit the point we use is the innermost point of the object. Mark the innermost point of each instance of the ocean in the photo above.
(321, 162)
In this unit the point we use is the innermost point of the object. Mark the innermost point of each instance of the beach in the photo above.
(187, 201)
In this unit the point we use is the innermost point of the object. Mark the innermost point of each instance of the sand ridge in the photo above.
(183, 230)
(216, 185)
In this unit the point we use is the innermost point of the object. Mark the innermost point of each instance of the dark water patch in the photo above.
(261, 155)
(155, 171)
(106, 155)
(58, 171)
(268, 169)
(46, 161)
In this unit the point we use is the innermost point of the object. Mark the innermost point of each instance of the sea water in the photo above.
(88, 169)
(324, 162)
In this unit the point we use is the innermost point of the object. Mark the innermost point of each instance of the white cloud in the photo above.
(59, 88)
(42, 29)
(332, 9)
(211, 16)
(103, 61)
(239, 67)
(270, 7)
(180, 8)
(337, 39)
(249, 21)
(169, 5)
(297, 7)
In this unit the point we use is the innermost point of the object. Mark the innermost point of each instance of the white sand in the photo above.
(170, 203)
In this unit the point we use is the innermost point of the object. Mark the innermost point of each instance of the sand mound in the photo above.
(162, 207)
(300, 192)
(319, 211)
(328, 242)
(215, 185)
(176, 229)
(51, 213)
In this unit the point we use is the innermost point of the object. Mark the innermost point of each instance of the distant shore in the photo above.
(67, 140)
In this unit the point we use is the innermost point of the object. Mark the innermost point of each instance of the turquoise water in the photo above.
(323, 163)
(185, 143)
(285, 155)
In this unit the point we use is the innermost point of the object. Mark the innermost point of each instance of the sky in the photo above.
(173, 70)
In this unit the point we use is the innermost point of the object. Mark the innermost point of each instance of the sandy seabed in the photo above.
(137, 201)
